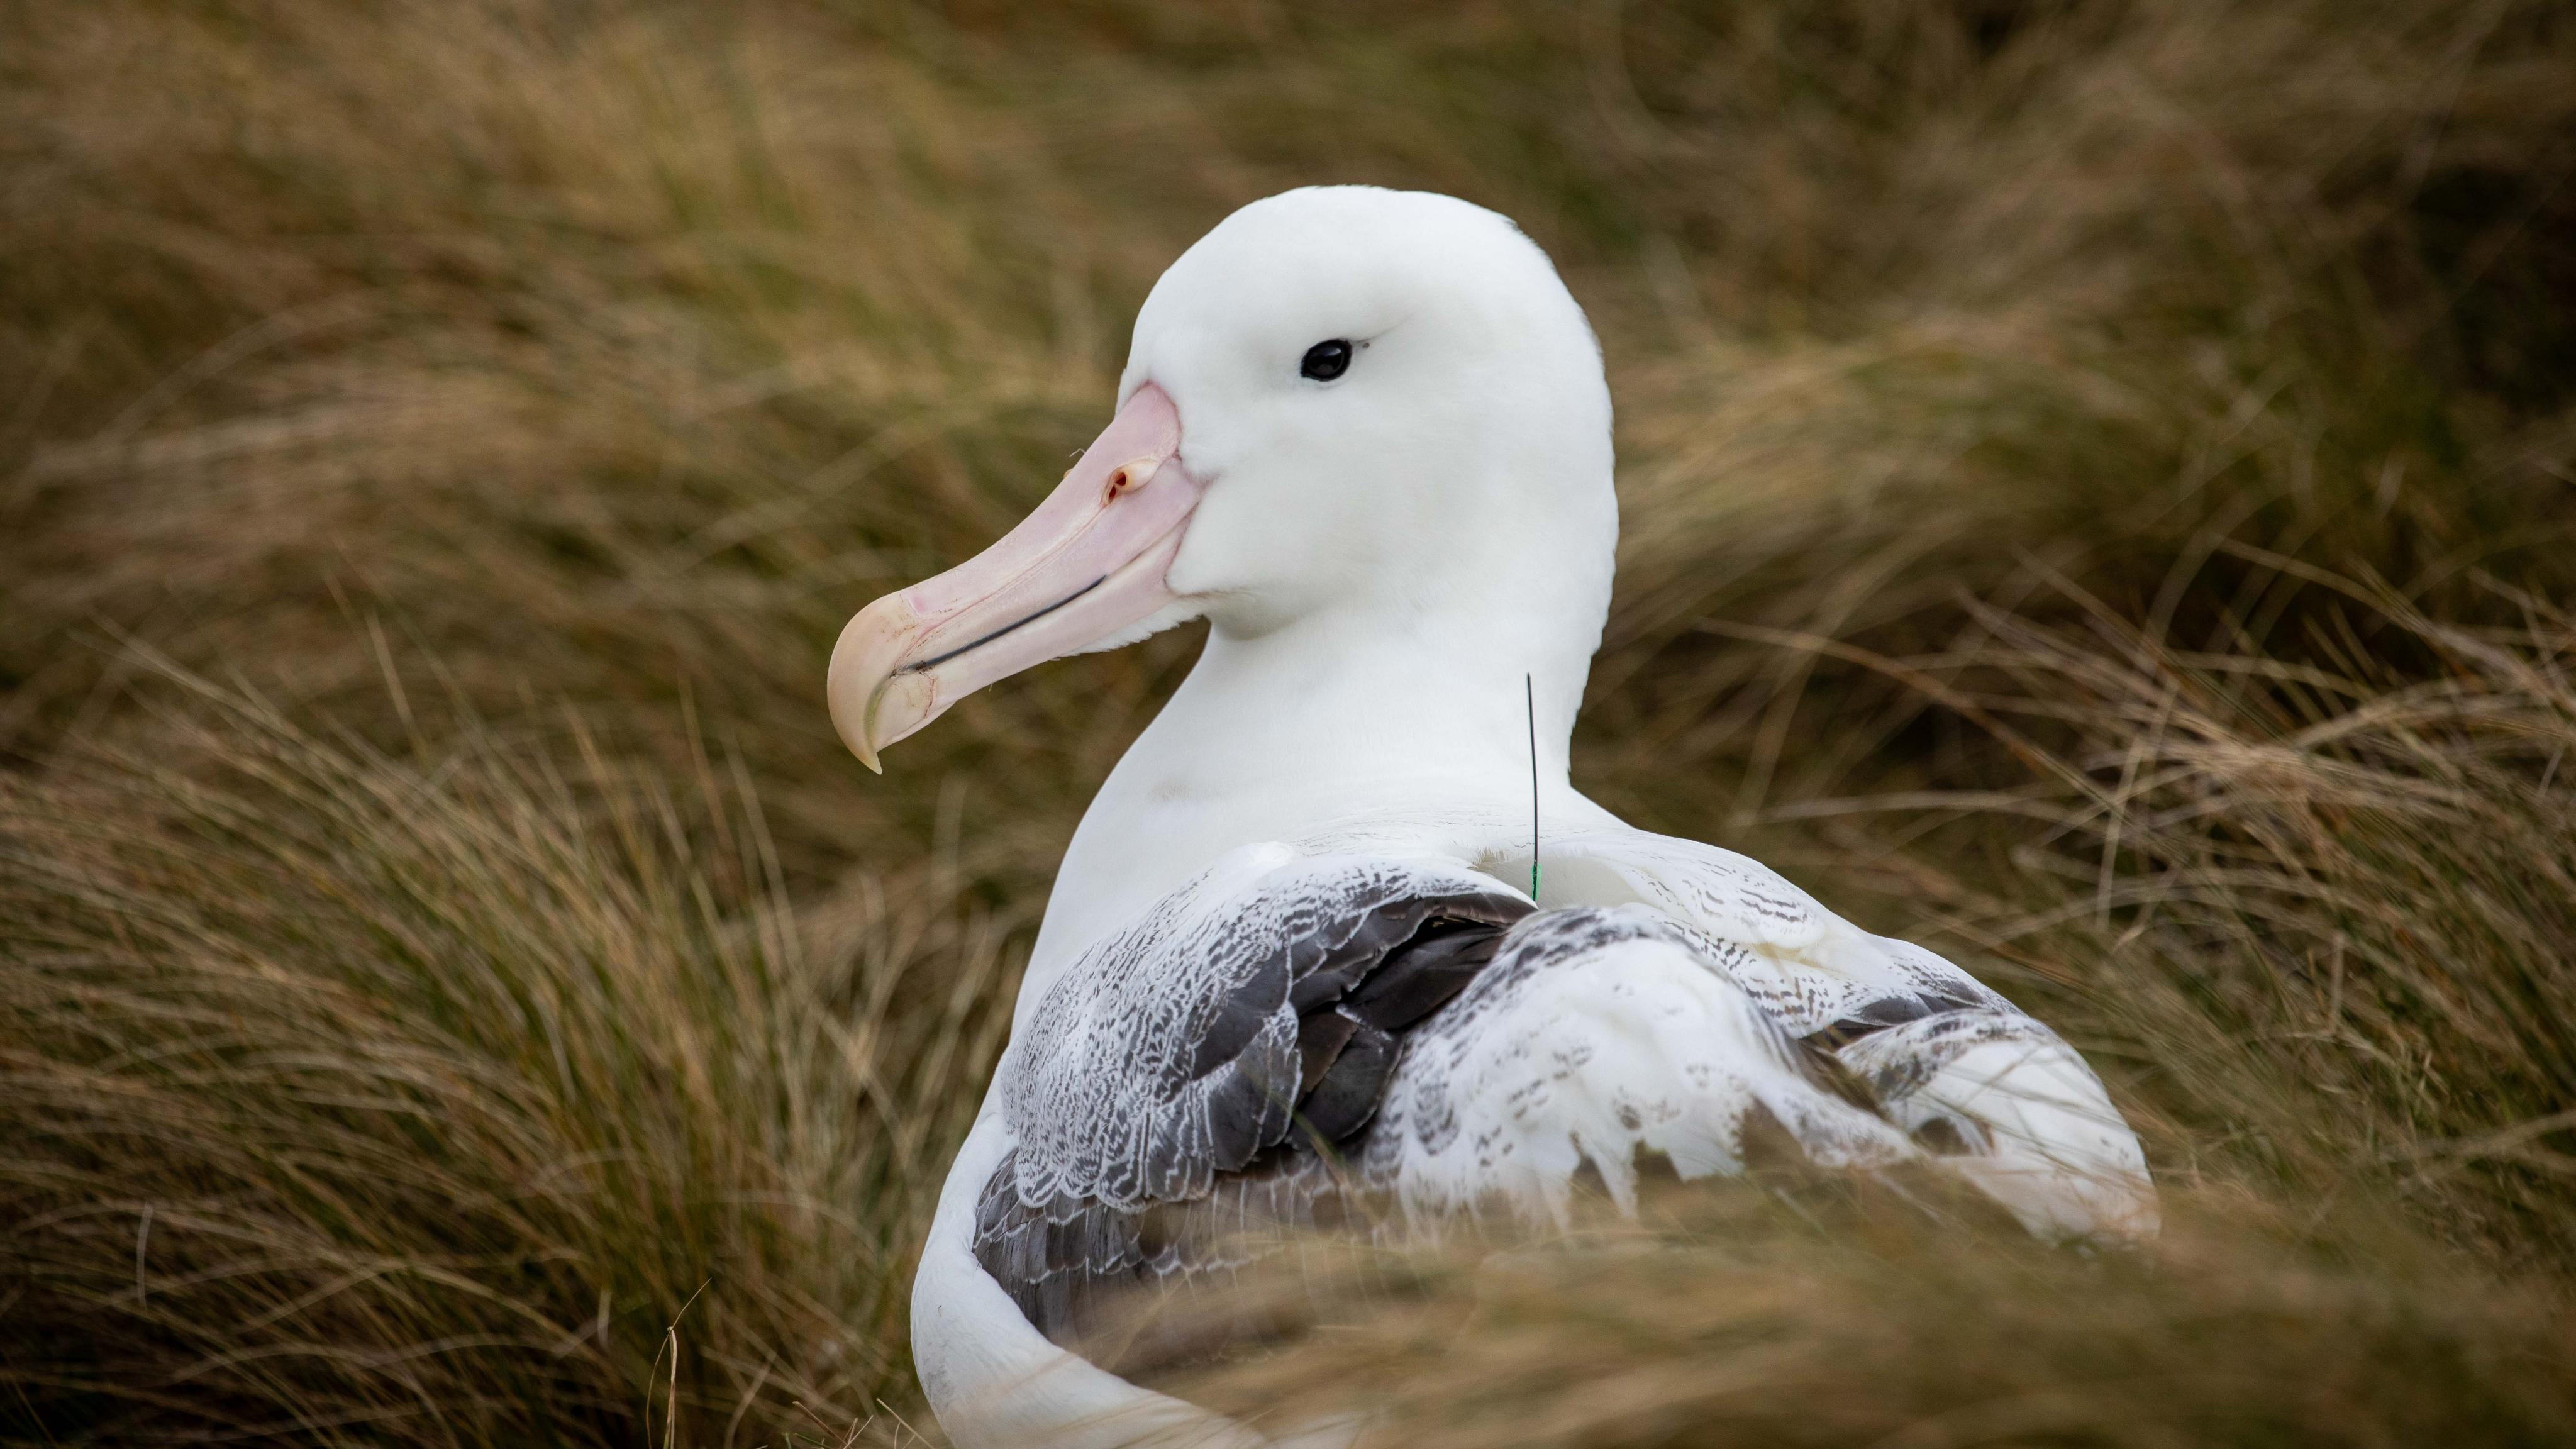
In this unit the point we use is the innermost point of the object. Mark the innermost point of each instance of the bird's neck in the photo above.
(1309, 716)
(1395, 718)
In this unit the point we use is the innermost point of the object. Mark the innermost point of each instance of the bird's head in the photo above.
(1342, 402)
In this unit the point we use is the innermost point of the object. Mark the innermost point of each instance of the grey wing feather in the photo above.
(1156, 1094)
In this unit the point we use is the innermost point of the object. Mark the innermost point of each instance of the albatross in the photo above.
(1299, 951)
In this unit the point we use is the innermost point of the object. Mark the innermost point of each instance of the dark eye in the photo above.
(1326, 360)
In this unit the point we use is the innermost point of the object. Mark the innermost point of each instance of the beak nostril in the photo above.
(1129, 477)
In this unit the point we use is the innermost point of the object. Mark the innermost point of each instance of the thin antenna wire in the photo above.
(1529, 696)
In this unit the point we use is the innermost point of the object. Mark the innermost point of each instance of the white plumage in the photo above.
(1365, 434)
(1601, 1036)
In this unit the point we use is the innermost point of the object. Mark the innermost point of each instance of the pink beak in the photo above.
(1089, 562)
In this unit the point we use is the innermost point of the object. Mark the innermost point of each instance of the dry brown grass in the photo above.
(2098, 497)
(340, 1084)
(1732, 1318)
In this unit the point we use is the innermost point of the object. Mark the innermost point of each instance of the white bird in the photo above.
(1366, 435)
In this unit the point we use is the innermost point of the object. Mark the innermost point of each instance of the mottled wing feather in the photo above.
(1156, 1093)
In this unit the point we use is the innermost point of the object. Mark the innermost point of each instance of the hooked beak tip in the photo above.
(865, 663)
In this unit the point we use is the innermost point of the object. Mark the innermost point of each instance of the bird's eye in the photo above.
(1326, 360)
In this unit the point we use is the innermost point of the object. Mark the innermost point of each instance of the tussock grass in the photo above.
(348, 1081)
(2097, 482)
(1731, 1316)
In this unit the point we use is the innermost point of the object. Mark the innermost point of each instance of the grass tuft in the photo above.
(452, 1099)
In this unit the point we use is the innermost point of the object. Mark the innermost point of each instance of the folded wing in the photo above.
(1291, 1035)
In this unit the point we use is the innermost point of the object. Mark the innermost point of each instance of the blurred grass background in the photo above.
(2098, 483)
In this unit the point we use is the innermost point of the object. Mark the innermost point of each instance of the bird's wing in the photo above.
(1290, 1030)
(1192, 1077)
(1997, 1097)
